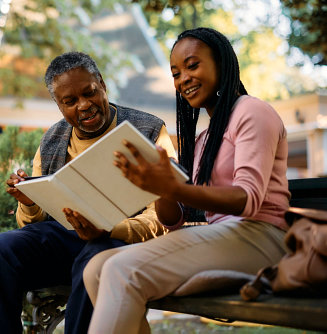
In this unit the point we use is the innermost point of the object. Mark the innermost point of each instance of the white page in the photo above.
(52, 196)
(90, 201)
(108, 178)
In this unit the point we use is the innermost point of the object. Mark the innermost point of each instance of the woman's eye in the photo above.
(192, 66)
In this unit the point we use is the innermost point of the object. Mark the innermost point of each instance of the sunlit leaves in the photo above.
(38, 30)
(309, 26)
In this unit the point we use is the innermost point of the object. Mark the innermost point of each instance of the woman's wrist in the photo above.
(169, 212)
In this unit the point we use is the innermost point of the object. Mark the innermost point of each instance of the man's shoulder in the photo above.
(61, 128)
(136, 114)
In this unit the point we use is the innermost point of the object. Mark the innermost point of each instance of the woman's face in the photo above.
(195, 73)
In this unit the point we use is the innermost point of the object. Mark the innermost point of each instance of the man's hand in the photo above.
(13, 191)
(83, 227)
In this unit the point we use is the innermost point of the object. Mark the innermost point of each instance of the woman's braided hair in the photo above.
(230, 88)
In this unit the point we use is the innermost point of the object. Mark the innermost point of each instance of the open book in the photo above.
(93, 186)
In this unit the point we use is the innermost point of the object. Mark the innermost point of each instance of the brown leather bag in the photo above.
(303, 271)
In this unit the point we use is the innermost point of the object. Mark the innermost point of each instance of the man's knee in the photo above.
(11, 240)
(94, 247)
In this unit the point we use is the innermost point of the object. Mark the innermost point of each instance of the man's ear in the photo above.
(102, 83)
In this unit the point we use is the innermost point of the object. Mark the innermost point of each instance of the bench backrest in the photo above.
(309, 193)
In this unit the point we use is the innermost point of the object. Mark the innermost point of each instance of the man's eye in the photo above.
(69, 102)
(90, 93)
(175, 75)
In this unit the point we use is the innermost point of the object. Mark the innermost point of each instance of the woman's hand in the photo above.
(157, 178)
(13, 191)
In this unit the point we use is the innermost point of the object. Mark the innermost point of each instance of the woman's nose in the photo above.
(185, 77)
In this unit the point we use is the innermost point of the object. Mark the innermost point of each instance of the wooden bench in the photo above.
(295, 312)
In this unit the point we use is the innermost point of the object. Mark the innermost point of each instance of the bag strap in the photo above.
(293, 214)
(252, 289)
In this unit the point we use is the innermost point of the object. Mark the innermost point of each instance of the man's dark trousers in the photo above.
(41, 255)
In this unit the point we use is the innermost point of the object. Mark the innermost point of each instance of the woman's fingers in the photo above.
(122, 163)
(136, 153)
(152, 177)
(163, 155)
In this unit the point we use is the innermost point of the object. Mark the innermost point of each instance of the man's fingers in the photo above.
(14, 179)
(21, 173)
(70, 218)
(83, 227)
(85, 223)
(12, 191)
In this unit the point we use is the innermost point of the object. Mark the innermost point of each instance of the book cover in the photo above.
(93, 186)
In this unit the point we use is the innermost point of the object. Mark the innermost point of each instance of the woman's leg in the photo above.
(158, 267)
(92, 271)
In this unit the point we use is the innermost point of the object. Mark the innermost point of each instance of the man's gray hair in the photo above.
(66, 62)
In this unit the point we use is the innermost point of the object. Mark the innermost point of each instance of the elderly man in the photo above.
(43, 253)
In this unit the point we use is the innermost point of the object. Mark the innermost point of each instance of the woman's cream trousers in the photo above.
(123, 280)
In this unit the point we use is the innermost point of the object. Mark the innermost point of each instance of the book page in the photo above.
(96, 165)
(91, 203)
(46, 195)
(52, 196)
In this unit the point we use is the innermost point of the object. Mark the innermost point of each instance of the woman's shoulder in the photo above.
(248, 107)
(251, 112)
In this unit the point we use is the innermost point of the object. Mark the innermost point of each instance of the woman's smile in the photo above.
(188, 92)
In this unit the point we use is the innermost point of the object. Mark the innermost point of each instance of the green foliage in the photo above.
(195, 325)
(264, 68)
(184, 15)
(307, 18)
(159, 5)
(38, 30)
(308, 27)
(17, 150)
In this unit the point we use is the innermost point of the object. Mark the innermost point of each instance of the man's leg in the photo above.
(36, 256)
(79, 308)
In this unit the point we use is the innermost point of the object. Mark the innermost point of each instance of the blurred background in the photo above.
(281, 46)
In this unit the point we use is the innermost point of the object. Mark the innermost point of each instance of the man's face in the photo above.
(83, 101)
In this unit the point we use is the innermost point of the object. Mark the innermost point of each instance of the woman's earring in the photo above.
(218, 93)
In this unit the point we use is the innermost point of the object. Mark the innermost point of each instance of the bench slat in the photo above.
(301, 313)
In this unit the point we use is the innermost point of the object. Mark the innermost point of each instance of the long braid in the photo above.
(187, 118)
(230, 87)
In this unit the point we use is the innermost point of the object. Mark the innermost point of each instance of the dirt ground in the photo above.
(198, 326)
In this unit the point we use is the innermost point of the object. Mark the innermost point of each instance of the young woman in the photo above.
(238, 167)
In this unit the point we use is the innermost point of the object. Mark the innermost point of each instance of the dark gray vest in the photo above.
(53, 147)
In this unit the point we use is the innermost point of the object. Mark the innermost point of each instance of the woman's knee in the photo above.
(93, 269)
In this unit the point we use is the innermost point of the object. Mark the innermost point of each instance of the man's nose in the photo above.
(83, 103)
